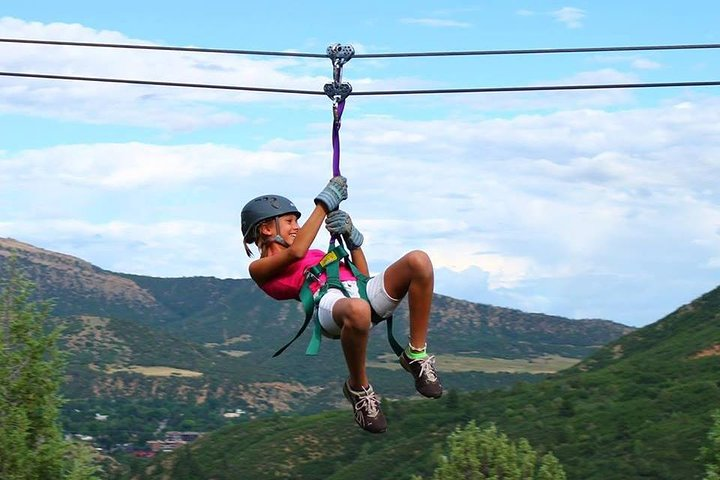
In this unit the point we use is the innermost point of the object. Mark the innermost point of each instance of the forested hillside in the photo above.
(638, 408)
(176, 353)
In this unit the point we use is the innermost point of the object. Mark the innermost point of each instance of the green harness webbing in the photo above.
(330, 265)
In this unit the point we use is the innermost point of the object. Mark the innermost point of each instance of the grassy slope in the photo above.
(639, 408)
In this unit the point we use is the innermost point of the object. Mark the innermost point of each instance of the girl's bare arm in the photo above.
(358, 258)
(265, 268)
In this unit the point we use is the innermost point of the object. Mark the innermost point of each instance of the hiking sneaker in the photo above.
(423, 371)
(367, 408)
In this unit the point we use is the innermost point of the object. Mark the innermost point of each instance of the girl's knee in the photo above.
(420, 263)
(356, 314)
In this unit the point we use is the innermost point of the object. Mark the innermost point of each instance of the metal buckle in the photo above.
(309, 275)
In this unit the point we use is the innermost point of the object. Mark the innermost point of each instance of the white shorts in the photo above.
(381, 303)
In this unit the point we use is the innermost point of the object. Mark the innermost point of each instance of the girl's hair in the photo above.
(260, 239)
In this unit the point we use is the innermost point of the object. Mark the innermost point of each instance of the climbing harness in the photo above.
(330, 266)
(338, 91)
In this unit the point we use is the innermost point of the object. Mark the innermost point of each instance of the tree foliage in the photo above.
(480, 454)
(80, 464)
(640, 408)
(711, 453)
(31, 366)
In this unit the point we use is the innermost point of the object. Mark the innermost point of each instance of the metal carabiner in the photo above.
(336, 114)
(337, 90)
(337, 71)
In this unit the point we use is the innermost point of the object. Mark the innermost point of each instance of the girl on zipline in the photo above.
(271, 223)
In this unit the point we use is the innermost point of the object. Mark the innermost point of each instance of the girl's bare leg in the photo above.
(413, 275)
(353, 316)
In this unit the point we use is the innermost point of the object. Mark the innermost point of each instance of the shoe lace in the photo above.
(427, 368)
(368, 401)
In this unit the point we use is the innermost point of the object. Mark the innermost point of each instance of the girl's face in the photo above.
(288, 225)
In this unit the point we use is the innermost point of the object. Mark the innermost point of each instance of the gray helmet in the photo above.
(263, 208)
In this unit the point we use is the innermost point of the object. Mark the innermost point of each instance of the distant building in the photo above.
(235, 414)
(182, 436)
(100, 418)
(172, 441)
(144, 453)
(163, 445)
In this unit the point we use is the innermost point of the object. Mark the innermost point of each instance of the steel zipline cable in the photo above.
(530, 88)
(159, 83)
(163, 48)
(537, 51)
(538, 88)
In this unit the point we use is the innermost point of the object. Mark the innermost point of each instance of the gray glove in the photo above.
(334, 193)
(339, 222)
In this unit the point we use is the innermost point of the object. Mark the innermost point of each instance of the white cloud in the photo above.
(570, 16)
(436, 22)
(543, 210)
(136, 165)
(645, 64)
(557, 100)
(634, 61)
(553, 198)
(176, 248)
(159, 107)
(605, 75)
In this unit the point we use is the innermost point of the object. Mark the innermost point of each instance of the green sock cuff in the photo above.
(415, 355)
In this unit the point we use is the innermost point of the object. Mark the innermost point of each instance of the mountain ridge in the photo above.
(205, 344)
(112, 285)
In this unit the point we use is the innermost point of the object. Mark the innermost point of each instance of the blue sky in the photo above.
(586, 204)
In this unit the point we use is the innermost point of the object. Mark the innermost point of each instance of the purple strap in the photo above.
(337, 115)
(336, 138)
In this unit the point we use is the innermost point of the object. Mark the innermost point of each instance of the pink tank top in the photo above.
(286, 286)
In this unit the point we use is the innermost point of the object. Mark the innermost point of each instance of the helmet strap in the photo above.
(278, 238)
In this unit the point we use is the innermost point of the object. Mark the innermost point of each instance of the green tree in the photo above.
(186, 467)
(711, 454)
(31, 366)
(567, 408)
(80, 464)
(550, 468)
(475, 454)
(453, 399)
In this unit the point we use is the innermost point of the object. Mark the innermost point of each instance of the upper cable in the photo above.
(161, 47)
(369, 55)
